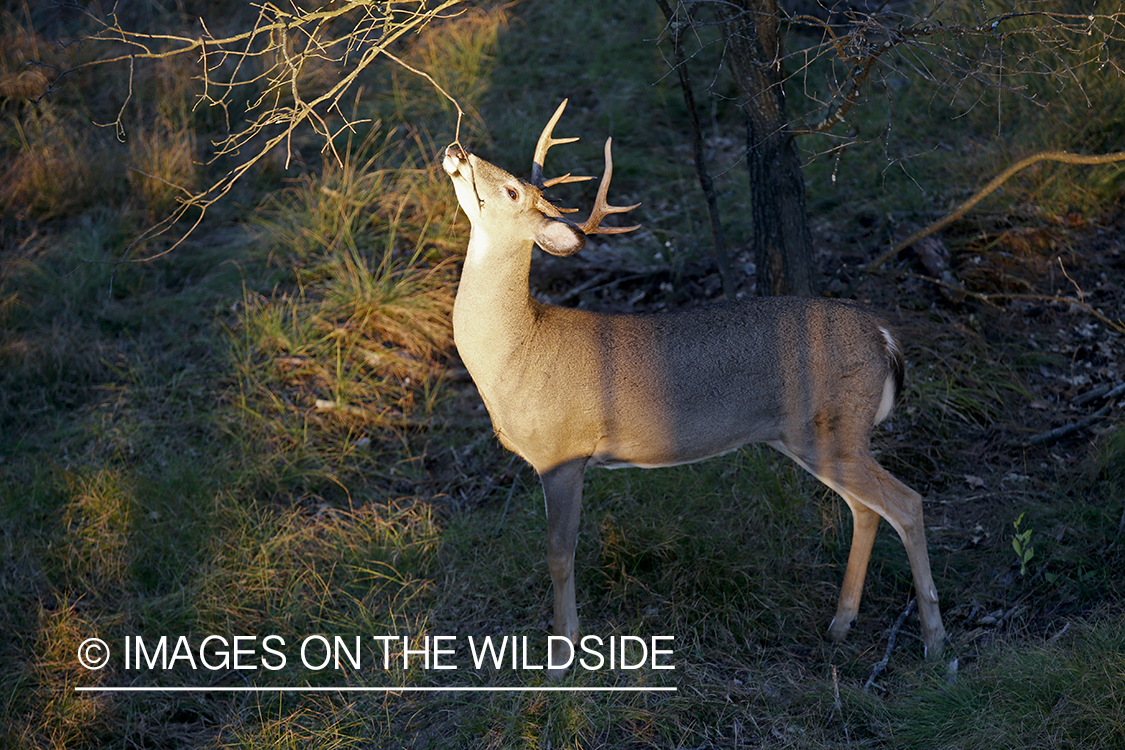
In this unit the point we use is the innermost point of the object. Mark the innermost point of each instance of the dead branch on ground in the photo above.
(977, 197)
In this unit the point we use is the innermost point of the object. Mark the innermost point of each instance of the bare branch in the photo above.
(269, 62)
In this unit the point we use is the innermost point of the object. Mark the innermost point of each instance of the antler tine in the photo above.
(568, 177)
(545, 142)
(601, 207)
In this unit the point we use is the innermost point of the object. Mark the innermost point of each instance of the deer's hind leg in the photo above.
(873, 492)
(864, 524)
(863, 483)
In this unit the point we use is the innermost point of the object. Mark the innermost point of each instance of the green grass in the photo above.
(1060, 693)
(265, 433)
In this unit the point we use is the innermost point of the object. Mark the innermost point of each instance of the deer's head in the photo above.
(501, 206)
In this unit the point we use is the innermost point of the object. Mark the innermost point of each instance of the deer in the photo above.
(571, 389)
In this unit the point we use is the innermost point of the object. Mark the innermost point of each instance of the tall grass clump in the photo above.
(162, 168)
(347, 349)
(53, 164)
(54, 169)
(342, 359)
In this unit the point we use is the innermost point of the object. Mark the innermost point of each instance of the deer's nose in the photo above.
(455, 156)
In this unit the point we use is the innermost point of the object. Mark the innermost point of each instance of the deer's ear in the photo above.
(560, 237)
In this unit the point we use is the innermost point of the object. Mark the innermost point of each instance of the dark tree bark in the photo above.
(781, 238)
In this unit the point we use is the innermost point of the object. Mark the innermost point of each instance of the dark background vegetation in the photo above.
(267, 430)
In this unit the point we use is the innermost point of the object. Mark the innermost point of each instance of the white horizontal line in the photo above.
(347, 689)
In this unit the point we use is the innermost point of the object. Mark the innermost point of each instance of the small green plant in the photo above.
(1021, 543)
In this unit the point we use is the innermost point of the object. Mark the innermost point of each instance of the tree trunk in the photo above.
(781, 238)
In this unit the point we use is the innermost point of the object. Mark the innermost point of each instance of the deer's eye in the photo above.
(513, 194)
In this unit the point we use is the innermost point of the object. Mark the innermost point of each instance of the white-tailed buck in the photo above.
(570, 389)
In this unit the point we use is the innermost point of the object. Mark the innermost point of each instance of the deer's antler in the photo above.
(545, 142)
(601, 207)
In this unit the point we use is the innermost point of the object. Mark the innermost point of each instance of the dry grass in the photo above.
(459, 54)
(19, 46)
(162, 167)
(56, 169)
(349, 345)
(55, 165)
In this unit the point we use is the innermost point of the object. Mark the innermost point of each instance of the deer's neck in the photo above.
(493, 313)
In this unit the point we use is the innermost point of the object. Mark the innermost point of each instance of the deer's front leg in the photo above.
(562, 487)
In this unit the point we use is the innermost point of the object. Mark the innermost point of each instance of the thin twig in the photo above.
(990, 298)
(891, 638)
(705, 183)
(436, 85)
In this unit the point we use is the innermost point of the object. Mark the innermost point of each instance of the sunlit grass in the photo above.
(54, 163)
(347, 351)
(18, 45)
(163, 167)
(55, 169)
